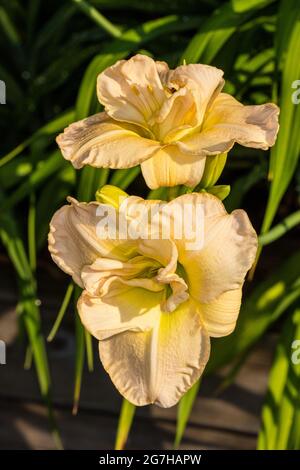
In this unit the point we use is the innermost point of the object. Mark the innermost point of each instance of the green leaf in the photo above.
(29, 310)
(241, 6)
(184, 410)
(45, 169)
(213, 34)
(280, 413)
(62, 311)
(124, 424)
(281, 229)
(98, 18)
(123, 178)
(285, 154)
(220, 191)
(9, 28)
(52, 127)
(79, 356)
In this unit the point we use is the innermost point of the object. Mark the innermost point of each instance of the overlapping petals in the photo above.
(153, 303)
(169, 121)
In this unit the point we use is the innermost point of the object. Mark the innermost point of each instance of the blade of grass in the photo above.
(89, 350)
(50, 128)
(212, 34)
(31, 232)
(184, 410)
(285, 154)
(62, 311)
(280, 229)
(45, 169)
(282, 399)
(79, 357)
(124, 424)
(98, 18)
(123, 178)
(30, 312)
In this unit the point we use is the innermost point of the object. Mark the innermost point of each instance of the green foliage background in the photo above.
(51, 53)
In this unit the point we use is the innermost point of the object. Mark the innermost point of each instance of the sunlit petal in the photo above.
(228, 252)
(131, 90)
(220, 315)
(160, 365)
(171, 167)
(129, 308)
(100, 141)
(205, 82)
(73, 239)
(227, 122)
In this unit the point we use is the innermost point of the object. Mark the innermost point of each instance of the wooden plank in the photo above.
(25, 426)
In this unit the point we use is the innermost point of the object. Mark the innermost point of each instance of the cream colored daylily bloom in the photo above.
(168, 121)
(152, 303)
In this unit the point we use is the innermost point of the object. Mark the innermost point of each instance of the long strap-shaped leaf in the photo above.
(29, 310)
(280, 413)
(124, 425)
(285, 154)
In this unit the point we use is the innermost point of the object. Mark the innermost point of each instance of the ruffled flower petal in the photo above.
(171, 167)
(219, 316)
(74, 242)
(158, 366)
(102, 142)
(131, 90)
(126, 309)
(229, 245)
(228, 122)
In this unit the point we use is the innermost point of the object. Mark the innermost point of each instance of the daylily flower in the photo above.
(168, 121)
(153, 303)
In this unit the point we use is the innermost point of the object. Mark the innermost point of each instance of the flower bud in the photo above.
(112, 195)
(214, 166)
(221, 191)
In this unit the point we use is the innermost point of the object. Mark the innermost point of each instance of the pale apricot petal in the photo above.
(204, 80)
(227, 122)
(131, 90)
(73, 240)
(170, 167)
(228, 252)
(161, 250)
(219, 316)
(101, 142)
(128, 308)
(160, 365)
(165, 252)
(95, 276)
(177, 117)
(163, 71)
